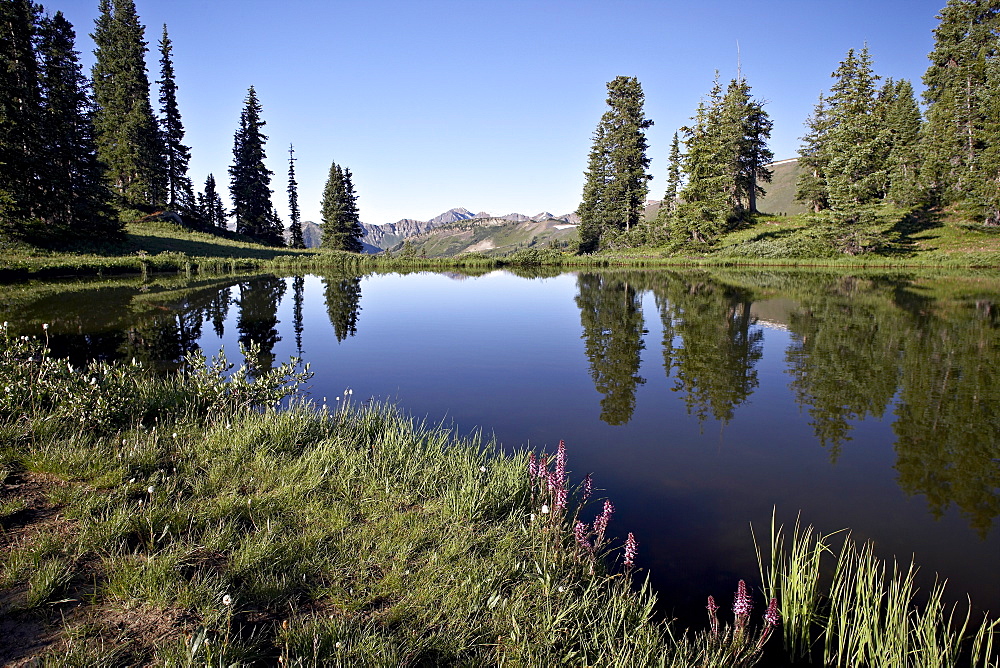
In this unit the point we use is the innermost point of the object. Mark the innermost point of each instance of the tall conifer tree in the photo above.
(673, 177)
(903, 124)
(250, 179)
(180, 195)
(855, 144)
(814, 160)
(295, 226)
(128, 137)
(76, 197)
(211, 205)
(965, 41)
(616, 185)
(339, 211)
(726, 160)
(21, 158)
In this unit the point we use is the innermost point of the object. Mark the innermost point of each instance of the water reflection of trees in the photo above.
(257, 319)
(343, 301)
(948, 418)
(718, 344)
(844, 355)
(611, 315)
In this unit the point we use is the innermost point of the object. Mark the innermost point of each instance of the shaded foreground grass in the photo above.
(194, 519)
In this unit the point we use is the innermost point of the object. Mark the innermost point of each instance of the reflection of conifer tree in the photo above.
(667, 316)
(258, 318)
(218, 309)
(843, 358)
(949, 415)
(611, 315)
(165, 340)
(298, 288)
(343, 296)
(715, 363)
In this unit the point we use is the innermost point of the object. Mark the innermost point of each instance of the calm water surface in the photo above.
(699, 401)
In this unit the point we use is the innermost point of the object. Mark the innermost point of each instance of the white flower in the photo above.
(150, 490)
(562, 589)
(338, 645)
(175, 434)
(45, 326)
(132, 481)
(545, 509)
(227, 600)
(532, 517)
(482, 469)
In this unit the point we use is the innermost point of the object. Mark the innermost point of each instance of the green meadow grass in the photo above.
(210, 517)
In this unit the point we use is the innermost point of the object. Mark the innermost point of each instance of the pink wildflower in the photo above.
(713, 620)
(742, 605)
(588, 487)
(532, 465)
(631, 548)
(580, 533)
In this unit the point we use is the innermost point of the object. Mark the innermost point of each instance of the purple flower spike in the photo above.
(601, 522)
(588, 487)
(742, 605)
(532, 465)
(713, 620)
(631, 548)
(772, 616)
(580, 533)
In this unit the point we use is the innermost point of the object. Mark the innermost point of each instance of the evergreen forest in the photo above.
(82, 156)
(871, 156)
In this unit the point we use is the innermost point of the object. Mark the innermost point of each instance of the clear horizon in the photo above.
(488, 106)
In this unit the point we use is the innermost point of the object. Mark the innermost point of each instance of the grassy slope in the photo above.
(952, 238)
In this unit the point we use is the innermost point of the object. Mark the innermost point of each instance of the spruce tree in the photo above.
(339, 211)
(180, 195)
(726, 160)
(673, 177)
(704, 212)
(128, 137)
(814, 160)
(21, 150)
(857, 169)
(295, 226)
(965, 41)
(617, 183)
(76, 197)
(987, 186)
(210, 203)
(903, 124)
(250, 179)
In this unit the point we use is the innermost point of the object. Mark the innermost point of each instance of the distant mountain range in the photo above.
(377, 238)
(391, 234)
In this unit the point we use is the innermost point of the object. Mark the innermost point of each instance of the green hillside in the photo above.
(490, 236)
(780, 196)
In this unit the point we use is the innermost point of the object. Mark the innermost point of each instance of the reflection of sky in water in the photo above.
(506, 354)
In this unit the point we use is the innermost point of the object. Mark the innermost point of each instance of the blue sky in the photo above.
(490, 105)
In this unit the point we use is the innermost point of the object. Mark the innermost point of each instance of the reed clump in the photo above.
(847, 607)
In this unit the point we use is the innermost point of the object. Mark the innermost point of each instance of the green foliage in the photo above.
(339, 210)
(295, 226)
(128, 137)
(726, 156)
(180, 194)
(250, 179)
(957, 93)
(866, 614)
(616, 182)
